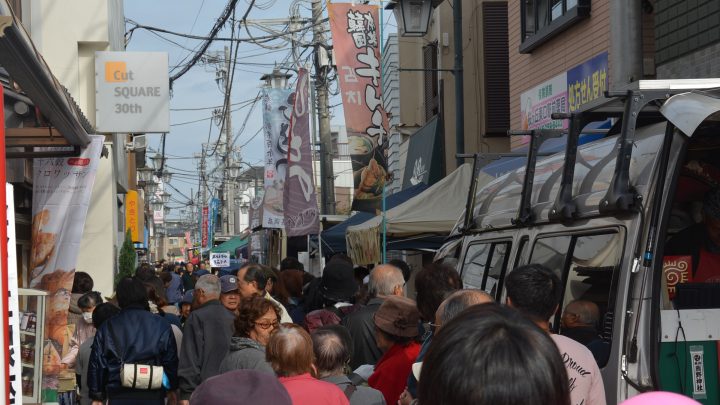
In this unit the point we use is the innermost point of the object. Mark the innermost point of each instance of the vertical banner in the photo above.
(188, 246)
(61, 196)
(5, 354)
(15, 378)
(356, 48)
(132, 212)
(300, 198)
(277, 107)
(212, 220)
(204, 228)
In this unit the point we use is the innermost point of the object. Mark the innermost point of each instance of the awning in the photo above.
(26, 67)
(432, 212)
(334, 238)
(231, 245)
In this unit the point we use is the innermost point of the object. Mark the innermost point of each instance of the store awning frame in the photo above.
(28, 69)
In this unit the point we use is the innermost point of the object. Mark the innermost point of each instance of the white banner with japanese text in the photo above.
(277, 107)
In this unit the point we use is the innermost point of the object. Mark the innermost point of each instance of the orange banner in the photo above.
(132, 212)
(356, 48)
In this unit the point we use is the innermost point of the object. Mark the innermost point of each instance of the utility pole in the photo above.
(327, 177)
(229, 198)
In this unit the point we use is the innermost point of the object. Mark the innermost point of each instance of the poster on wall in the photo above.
(356, 49)
(300, 198)
(537, 106)
(277, 107)
(587, 81)
(61, 196)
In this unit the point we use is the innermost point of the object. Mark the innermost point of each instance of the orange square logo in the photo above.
(115, 72)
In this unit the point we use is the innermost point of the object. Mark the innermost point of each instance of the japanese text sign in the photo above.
(587, 82)
(220, 259)
(356, 46)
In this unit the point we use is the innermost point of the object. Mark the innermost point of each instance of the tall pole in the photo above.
(327, 178)
(459, 92)
(228, 210)
(626, 38)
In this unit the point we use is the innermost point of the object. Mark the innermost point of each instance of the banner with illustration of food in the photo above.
(61, 196)
(302, 216)
(277, 107)
(356, 49)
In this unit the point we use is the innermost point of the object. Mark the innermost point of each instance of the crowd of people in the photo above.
(180, 335)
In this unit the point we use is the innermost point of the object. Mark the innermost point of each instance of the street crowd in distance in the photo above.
(281, 336)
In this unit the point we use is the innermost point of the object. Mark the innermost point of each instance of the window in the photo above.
(544, 19)
(588, 267)
(497, 68)
(484, 266)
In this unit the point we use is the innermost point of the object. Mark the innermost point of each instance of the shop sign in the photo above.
(587, 82)
(158, 216)
(132, 92)
(132, 218)
(220, 259)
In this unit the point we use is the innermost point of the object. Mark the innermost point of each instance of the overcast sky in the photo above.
(196, 92)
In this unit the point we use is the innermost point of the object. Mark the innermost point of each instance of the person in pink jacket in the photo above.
(290, 353)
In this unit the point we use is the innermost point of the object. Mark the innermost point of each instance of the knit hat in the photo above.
(188, 297)
(239, 387)
(398, 316)
(338, 281)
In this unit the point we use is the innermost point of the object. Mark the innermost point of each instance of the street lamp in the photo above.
(164, 197)
(276, 80)
(233, 170)
(145, 174)
(158, 161)
(166, 176)
(243, 186)
(151, 187)
(156, 204)
(244, 207)
(413, 16)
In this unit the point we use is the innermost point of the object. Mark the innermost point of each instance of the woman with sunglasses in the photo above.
(257, 321)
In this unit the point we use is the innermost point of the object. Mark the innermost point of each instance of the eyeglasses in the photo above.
(268, 325)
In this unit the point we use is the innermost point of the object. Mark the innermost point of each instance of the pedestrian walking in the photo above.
(206, 337)
(84, 329)
(252, 280)
(135, 336)
(290, 352)
(229, 293)
(337, 289)
(101, 313)
(241, 387)
(254, 325)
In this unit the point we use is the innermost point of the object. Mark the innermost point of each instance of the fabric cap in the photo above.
(240, 387)
(398, 316)
(188, 297)
(228, 283)
(338, 281)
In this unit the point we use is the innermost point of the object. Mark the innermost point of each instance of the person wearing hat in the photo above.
(241, 387)
(229, 293)
(186, 305)
(396, 332)
(337, 289)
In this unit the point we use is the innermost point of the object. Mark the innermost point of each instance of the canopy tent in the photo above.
(333, 240)
(432, 212)
(231, 245)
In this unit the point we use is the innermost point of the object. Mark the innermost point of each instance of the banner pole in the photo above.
(384, 190)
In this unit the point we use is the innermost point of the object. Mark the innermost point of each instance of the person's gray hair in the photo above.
(461, 300)
(587, 312)
(210, 284)
(383, 280)
(332, 346)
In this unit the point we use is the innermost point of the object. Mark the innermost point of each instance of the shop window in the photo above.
(588, 267)
(485, 265)
(544, 19)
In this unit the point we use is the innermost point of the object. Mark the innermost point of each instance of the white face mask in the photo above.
(87, 316)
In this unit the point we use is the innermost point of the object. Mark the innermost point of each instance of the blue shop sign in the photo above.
(587, 82)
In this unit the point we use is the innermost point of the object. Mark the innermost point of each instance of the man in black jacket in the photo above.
(385, 280)
(206, 337)
(137, 336)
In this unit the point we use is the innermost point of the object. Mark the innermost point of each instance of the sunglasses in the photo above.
(267, 325)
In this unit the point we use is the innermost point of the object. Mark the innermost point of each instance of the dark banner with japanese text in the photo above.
(299, 198)
(357, 54)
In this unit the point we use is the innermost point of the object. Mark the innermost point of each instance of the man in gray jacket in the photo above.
(332, 345)
(206, 337)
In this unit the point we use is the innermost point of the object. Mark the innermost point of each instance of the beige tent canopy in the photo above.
(434, 211)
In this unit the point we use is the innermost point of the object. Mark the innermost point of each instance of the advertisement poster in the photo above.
(587, 82)
(357, 53)
(277, 107)
(537, 106)
(300, 198)
(61, 196)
